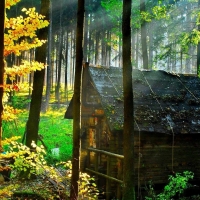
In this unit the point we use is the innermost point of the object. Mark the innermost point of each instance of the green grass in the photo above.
(54, 129)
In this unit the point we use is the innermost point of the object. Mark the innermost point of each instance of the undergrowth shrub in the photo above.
(20, 102)
(54, 131)
(49, 182)
(175, 188)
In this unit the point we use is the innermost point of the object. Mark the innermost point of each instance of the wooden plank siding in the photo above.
(155, 161)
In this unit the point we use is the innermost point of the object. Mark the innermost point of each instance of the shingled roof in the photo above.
(163, 102)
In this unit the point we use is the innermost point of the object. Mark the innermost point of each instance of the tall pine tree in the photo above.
(77, 102)
(128, 139)
(38, 81)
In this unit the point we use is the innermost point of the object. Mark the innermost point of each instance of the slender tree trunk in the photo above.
(120, 52)
(108, 48)
(77, 102)
(151, 34)
(198, 50)
(2, 17)
(89, 40)
(38, 83)
(144, 37)
(128, 134)
(70, 57)
(60, 46)
(137, 50)
(49, 67)
(133, 47)
(73, 58)
(85, 53)
(103, 48)
(66, 66)
(97, 47)
(59, 68)
(53, 61)
(56, 67)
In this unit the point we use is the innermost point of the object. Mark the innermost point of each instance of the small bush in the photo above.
(175, 188)
(20, 102)
(50, 181)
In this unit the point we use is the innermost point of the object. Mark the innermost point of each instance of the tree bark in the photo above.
(128, 139)
(2, 17)
(97, 36)
(86, 20)
(60, 46)
(198, 50)
(49, 63)
(66, 66)
(38, 83)
(59, 68)
(77, 102)
(144, 37)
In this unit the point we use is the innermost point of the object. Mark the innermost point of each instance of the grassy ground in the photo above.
(55, 131)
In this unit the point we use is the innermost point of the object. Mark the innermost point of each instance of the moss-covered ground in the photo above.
(54, 130)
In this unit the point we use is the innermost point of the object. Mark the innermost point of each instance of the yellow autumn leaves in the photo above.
(19, 36)
(25, 68)
(11, 3)
(20, 32)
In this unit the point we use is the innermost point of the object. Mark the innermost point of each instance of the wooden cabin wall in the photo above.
(154, 156)
(159, 158)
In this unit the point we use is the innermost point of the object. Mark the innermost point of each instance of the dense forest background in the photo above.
(164, 37)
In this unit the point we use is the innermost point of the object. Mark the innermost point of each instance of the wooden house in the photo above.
(166, 126)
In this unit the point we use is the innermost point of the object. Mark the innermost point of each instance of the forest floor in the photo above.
(55, 133)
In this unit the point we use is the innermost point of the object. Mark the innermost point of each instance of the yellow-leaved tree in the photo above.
(19, 36)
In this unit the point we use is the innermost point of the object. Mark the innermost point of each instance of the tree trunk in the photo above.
(128, 139)
(85, 50)
(49, 66)
(73, 58)
(133, 49)
(198, 50)
(89, 40)
(66, 66)
(103, 47)
(120, 52)
(144, 37)
(108, 49)
(59, 68)
(32, 57)
(38, 82)
(77, 103)
(60, 46)
(2, 17)
(151, 34)
(97, 47)
(137, 51)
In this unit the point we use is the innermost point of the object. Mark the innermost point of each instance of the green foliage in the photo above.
(87, 187)
(32, 162)
(54, 130)
(113, 5)
(26, 164)
(187, 38)
(176, 186)
(20, 102)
